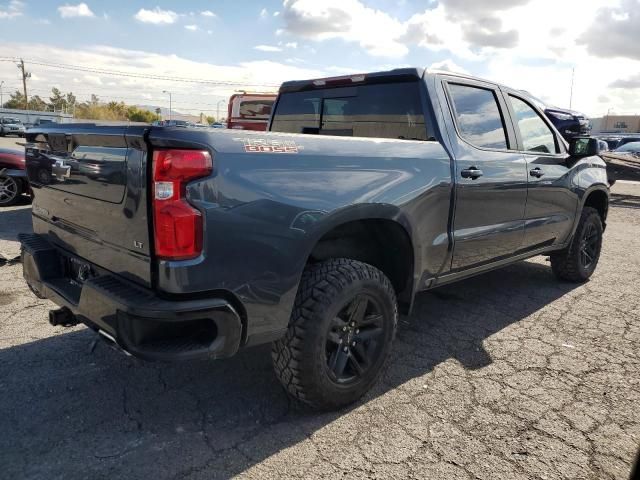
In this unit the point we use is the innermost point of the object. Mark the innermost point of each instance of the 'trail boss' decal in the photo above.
(262, 145)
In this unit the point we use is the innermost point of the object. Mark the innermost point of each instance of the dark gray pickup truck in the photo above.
(181, 243)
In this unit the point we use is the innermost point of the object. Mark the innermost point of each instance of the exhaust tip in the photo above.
(62, 317)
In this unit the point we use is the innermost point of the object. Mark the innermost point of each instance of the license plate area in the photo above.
(77, 271)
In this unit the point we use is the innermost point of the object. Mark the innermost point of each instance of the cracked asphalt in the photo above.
(510, 375)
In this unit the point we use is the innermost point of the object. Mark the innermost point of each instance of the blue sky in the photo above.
(518, 42)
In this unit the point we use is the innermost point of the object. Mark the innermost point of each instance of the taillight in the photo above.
(177, 224)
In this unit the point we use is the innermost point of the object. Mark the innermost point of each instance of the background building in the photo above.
(616, 123)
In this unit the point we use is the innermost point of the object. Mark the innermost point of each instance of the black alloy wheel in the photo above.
(353, 341)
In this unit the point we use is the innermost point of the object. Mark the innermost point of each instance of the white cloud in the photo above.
(291, 45)
(267, 48)
(187, 96)
(191, 28)
(156, 16)
(79, 10)
(208, 13)
(275, 14)
(377, 32)
(13, 10)
(264, 13)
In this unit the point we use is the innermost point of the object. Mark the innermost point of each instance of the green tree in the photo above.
(58, 100)
(137, 115)
(37, 103)
(16, 100)
(211, 119)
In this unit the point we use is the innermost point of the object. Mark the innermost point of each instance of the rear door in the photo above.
(90, 194)
(551, 202)
(491, 176)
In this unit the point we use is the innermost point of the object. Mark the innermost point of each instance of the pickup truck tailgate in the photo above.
(90, 194)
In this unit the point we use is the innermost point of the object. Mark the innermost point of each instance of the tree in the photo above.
(211, 119)
(37, 103)
(71, 101)
(16, 100)
(58, 100)
(137, 115)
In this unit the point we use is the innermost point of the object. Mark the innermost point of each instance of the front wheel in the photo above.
(340, 334)
(578, 261)
(9, 191)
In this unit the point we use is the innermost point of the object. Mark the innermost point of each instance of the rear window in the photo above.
(255, 109)
(478, 116)
(392, 110)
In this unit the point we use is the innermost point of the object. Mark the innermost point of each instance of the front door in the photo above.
(491, 183)
(551, 202)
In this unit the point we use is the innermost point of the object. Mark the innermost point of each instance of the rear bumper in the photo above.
(138, 320)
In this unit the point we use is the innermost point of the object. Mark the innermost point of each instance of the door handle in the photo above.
(536, 172)
(472, 173)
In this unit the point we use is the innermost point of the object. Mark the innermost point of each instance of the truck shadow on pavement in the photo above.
(73, 413)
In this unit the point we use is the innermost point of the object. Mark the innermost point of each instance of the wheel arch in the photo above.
(380, 235)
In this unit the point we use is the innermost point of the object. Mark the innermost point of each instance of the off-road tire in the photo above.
(567, 263)
(300, 358)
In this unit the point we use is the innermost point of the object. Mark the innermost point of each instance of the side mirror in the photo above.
(584, 147)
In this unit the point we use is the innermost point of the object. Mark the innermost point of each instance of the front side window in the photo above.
(478, 116)
(392, 110)
(536, 134)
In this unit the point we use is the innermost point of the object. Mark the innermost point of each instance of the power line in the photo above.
(79, 68)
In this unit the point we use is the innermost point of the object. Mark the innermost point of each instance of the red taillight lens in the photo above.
(177, 224)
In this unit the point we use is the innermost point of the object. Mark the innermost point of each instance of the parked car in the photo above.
(312, 242)
(250, 111)
(623, 162)
(218, 125)
(626, 140)
(11, 126)
(569, 123)
(13, 178)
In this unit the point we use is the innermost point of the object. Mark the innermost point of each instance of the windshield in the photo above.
(12, 120)
(392, 110)
(258, 109)
(629, 147)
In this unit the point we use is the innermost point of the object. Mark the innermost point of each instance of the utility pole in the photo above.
(1, 101)
(170, 108)
(25, 75)
(573, 71)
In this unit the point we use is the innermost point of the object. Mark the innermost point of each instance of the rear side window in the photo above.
(536, 134)
(392, 110)
(478, 116)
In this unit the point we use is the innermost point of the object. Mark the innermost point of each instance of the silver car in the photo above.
(11, 126)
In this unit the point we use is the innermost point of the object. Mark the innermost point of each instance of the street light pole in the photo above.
(166, 91)
(218, 109)
(1, 101)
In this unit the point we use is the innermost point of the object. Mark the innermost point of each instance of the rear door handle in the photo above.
(471, 172)
(536, 172)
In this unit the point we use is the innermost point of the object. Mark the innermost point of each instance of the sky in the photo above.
(205, 50)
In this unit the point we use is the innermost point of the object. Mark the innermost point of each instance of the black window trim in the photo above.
(560, 146)
(502, 109)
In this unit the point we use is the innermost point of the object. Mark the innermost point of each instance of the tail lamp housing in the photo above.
(177, 224)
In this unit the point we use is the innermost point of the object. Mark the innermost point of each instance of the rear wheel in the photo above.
(9, 191)
(340, 335)
(578, 261)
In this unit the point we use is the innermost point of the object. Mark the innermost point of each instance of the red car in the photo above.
(250, 111)
(13, 178)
